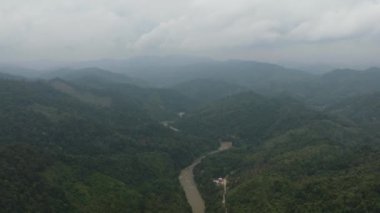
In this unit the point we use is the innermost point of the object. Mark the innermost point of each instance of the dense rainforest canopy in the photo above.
(91, 140)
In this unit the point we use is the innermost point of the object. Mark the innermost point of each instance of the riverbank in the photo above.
(186, 178)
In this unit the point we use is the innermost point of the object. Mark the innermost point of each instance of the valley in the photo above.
(186, 178)
(196, 106)
(90, 140)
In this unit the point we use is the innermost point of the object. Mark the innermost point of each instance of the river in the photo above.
(188, 184)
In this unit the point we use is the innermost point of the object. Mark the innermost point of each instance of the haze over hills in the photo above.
(199, 106)
(9, 76)
(93, 75)
(70, 149)
(263, 78)
(93, 140)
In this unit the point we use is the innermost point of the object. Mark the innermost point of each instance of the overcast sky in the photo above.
(303, 31)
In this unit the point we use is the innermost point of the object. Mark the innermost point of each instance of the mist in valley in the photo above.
(189, 106)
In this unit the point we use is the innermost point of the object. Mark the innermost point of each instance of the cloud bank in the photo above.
(271, 30)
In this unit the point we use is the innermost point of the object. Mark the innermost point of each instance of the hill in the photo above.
(256, 75)
(319, 167)
(91, 77)
(204, 91)
(161, 104)
(248, 116)
(338, 85)
(77, 155)
(288, 158)
(10, 77)
(90, 140)
(19, 71)
(267, 79)
(363, 110)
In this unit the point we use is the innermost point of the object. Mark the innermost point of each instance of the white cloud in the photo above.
(341, 23)
(85, 29)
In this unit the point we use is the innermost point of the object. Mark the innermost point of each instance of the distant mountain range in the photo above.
(186, 73)
(94, 140)
(95, 76)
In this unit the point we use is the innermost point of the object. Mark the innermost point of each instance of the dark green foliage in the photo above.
(103, 158)
(23, 189)
(290, 158)
(320, 167)
(248, 116)
(95, 143)
(336, 86)
(341, 84)
(363, 110)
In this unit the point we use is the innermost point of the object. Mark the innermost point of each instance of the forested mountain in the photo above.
(323, 90)
(19, 71)
(204, 91)
(92, 77)
(259, 76)
(363, 110)
(62, 152)
(7, 76)
(248, 116)
(263, 78)
(288, 158)
(198, 106)
(338, 85)
(320, 167)
(90, 140)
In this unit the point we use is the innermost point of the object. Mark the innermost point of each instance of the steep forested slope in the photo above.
(288, 158)
(322, 167)
(262, 77)
(91, 77)
(204, 91)
(81, 150)
(161, 104)
(91, 141)
(269, 79)
(248, 116)
(338, 85)
(364, 110)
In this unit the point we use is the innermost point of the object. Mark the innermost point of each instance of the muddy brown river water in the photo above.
(186, 178)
